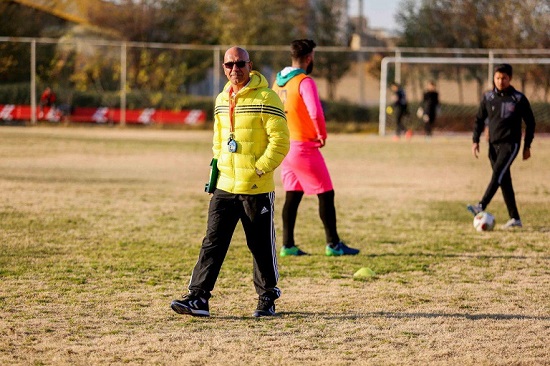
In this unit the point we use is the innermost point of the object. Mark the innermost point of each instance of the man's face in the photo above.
(237, 67)
(501, 80)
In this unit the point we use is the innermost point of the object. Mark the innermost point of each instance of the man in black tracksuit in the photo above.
(430, 103)
(504, 108)
(400, 108)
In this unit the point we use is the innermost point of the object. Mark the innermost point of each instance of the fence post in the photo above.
(123, 84)
(397, 78)
(216, 72)
(360, 62)
(33, 81)
(383, 87)
(361, 58)
(490, 69)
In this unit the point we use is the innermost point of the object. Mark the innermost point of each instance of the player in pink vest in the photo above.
(304, 170)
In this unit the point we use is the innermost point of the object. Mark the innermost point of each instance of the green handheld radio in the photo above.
(210, 187)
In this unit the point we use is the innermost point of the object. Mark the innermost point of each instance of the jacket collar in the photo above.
(256, 81)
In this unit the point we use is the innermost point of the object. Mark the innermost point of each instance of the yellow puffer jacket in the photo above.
(261, 134)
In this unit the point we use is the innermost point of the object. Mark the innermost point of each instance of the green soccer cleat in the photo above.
(341, 249)
(292, 251)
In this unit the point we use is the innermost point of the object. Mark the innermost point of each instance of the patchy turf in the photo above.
(100, 229)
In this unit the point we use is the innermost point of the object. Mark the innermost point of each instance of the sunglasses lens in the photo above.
(240, 64)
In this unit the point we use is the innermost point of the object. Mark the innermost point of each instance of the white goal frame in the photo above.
(442, 60)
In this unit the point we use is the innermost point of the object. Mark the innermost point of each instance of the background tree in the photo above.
(476, 24)
(250, 22)
(163, 21)
(201, 22)
(329, 31)
(15, 57)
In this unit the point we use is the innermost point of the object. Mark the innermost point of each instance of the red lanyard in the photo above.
(232, 97)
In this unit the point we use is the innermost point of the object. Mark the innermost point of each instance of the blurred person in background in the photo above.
(250, 141)
(400, 110)
(430, 105)
(47, 99)
(304, 170)
(503, 109)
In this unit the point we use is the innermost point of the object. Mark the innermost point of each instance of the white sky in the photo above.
(380, 13)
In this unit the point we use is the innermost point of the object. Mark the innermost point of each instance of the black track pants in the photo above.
(256, 215)
(502, 156)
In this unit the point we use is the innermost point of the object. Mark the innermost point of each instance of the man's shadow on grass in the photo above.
(303, 315)
(404, 315)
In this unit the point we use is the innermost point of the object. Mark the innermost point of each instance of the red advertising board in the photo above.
(101, 115)
(11, 112)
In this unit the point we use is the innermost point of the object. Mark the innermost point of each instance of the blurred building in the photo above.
(365, 36)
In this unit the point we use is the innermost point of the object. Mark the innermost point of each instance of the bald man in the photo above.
(250, 141)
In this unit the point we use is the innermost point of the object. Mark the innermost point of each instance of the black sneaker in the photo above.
(266, 307)
(191, 305)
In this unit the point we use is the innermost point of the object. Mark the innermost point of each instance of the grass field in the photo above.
(100, 229)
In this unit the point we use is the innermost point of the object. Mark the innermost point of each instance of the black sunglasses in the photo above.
(230, 64)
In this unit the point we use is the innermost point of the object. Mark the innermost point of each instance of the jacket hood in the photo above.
(286, 74)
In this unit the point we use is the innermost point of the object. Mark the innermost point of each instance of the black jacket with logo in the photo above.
(504, 110)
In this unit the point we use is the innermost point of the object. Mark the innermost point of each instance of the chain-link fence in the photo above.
(128, 76)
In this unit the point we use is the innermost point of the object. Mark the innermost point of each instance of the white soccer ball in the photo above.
(484, 221)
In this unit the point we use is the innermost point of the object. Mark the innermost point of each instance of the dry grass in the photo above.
(100, 229)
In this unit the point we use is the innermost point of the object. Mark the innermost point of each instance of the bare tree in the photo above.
(475, 24)
(329, 31)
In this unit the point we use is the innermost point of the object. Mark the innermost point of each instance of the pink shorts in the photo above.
(304, 169)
